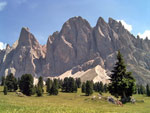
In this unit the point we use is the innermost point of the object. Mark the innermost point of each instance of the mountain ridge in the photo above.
(77, 47)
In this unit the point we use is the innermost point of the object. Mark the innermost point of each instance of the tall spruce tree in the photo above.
(122, 83)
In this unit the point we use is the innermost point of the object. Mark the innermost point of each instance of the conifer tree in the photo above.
(69, 85)
(39, 91)
(11, 82)
(137, 89)
(105, 88)
(101, 87)
(40, 83)
(26, 84)
(147, 90)
(122, 83)
(142, 89)
(89, 88)
(15, 84)
(48, 85)
(60, 83)
(54, 89)
(75, 87)
(56, 83)
(65, 86)
(78, 82)
(83, 87)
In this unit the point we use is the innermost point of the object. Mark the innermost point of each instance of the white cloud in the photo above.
(2, 5)
(126, 26)
(145, 34)
(2, 45)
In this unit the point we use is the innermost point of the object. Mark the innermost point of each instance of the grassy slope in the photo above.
(66, 103)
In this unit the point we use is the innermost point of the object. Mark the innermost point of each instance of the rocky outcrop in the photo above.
(23, 57)
(78, 47)
(70, 47)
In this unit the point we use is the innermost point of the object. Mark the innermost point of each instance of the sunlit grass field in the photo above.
(67, 103)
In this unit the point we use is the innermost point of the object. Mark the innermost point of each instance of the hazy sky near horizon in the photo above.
(43, 17)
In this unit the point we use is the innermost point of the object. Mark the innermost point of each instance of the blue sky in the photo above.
(43, 17)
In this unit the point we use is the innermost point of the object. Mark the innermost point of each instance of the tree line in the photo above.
(143, 90)
(68, 84)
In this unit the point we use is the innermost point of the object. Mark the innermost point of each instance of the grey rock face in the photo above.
(73, 46)
(79, 47)
(20, 60)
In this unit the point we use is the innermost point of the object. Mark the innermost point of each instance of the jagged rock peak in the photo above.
(77, 20)
(26, 29)
(100, 21)
(116, 26)
(8, 47)
(111, 21)
(74, 20)
(26, 38)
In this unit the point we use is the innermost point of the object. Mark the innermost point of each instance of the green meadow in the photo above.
(67, 103)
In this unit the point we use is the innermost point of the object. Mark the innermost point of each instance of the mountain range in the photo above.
(78, 50)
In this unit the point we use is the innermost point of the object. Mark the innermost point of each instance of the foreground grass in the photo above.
(67, 103)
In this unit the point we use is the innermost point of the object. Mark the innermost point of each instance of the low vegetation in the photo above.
(73, 96)
(67, 103)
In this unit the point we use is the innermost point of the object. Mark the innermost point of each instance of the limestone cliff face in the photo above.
(23, 57)
(70, 47)
(77, 47)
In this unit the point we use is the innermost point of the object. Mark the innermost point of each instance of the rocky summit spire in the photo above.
(100, 22)
(26, 38)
